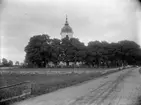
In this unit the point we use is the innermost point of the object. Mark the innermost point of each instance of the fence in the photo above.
(20, 90)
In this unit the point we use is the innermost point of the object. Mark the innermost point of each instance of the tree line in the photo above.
(41, 50)
(7, 63)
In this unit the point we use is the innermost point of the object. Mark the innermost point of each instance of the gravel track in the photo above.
(98, 95)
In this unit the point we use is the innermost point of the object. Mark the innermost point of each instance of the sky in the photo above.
(109, 20)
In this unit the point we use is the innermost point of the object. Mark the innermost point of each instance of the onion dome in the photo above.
(66, 28)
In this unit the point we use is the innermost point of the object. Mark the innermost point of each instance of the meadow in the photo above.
(48, 80)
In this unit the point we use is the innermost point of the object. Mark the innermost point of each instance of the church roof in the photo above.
(66, 28)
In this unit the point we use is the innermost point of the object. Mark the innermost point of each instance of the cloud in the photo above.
(9, 50)
(110, 20)
(12, 53)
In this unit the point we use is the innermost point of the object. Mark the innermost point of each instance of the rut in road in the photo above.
(98, 95)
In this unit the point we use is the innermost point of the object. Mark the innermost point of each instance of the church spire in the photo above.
(66, 21)
(66, 30)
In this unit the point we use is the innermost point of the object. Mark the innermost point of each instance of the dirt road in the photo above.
(121, 88)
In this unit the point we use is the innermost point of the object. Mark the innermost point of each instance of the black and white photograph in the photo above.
(70, 52)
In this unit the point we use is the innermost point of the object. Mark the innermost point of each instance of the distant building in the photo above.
(66, 30)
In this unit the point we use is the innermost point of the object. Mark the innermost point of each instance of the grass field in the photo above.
(47, 80)
(13, 76)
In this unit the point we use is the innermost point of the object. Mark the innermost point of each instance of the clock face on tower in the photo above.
(66, 30)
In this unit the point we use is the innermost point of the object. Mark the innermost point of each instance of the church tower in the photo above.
(66, 30)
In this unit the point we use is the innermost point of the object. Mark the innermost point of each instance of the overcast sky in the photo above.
(109, 20)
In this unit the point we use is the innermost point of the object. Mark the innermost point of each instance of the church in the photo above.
(66, 30)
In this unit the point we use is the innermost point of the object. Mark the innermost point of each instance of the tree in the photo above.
(10, 63)
(139, 1)
(94, 49)
(4, 62)
(41, 50)
(38, 50)
(17, 63)
(114, 55)
(66, 50)
(78, 50)
(128, 51)
(56, 50)
(72, 50)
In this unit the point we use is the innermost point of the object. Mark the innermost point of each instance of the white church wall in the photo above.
(70, 35)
